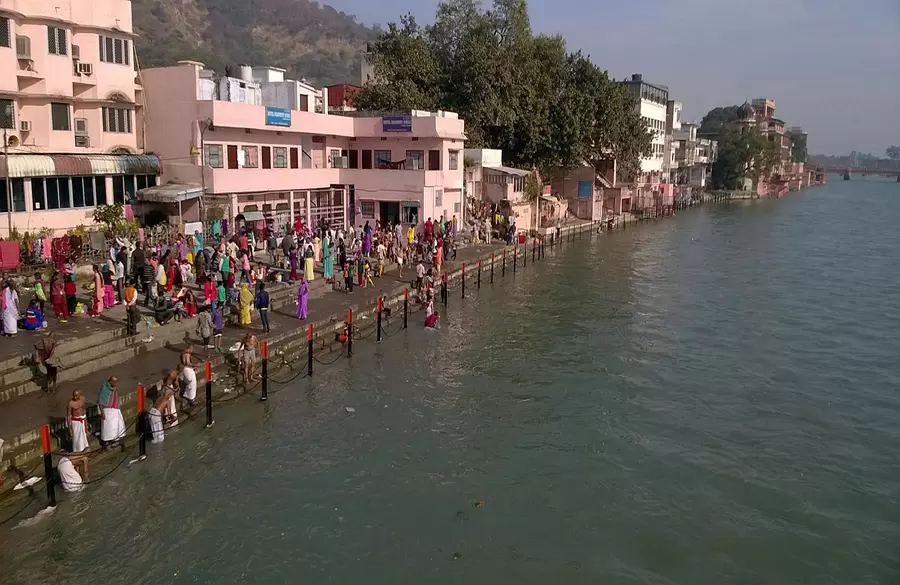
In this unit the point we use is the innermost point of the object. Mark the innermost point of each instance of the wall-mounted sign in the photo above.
(278, 117)
(396, 124)
(585, 188)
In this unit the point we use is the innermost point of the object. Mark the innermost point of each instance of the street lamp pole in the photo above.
(204, 126)
(9, 197)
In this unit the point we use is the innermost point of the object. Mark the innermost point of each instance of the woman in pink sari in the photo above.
(97, 305)
(302, 298)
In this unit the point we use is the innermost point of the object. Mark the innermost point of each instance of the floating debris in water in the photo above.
(478, 503)
(457, 556)
(349, 409)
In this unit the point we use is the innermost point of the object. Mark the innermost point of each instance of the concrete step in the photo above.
(102, 350)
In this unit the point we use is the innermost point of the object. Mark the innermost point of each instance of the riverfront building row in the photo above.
(83, 126)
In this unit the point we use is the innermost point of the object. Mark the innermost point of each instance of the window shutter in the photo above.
(232, 156)
(354, 159)
(434, 160)
(51, 40)
(367, 159)
(267, 157)
(295, 158)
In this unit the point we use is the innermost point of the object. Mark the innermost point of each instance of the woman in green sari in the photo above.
(327, 260)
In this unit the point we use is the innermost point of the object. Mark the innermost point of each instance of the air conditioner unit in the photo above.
(85, 68)
(23, 48)
(81, 127)
(82, 141)
(24, 126)
(76, 52)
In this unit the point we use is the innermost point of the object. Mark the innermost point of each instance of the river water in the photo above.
(708, 399)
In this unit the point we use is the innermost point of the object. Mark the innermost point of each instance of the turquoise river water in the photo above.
(708, 399)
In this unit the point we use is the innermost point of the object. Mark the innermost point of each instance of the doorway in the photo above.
(389, 212)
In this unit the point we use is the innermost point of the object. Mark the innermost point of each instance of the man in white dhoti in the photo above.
(157, 430)
(188, 383)
(112, 426)
(9, 309)
(68, 476)
(77, 420)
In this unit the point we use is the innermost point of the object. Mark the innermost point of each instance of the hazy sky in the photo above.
(832, 66)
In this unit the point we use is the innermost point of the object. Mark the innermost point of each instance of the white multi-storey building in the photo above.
(653, 100)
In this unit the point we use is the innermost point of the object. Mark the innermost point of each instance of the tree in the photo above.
(743, 154)
(546, 108)
(798, 147)
(893, 153)
(109, 215)
(717, 119)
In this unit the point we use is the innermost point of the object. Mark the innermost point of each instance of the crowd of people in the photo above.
(226, 275)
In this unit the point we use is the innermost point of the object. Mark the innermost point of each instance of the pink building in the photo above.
(70, 113)
(251, 149)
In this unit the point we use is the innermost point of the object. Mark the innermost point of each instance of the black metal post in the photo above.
(48, 466)
(503, 267)
(378, 322)
(515, 257)
(309, 351)
(265, 372)
(478, 279)
(209, 413)
(405, 308)
(349, 332)
(463, 276)
(525, 255)
(533, 250)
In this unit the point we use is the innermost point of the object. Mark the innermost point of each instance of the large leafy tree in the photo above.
(893, 153)
(799, 151)
(743, 154)
(546, 108)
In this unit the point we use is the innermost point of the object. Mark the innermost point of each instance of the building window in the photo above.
(5, 35)
(214, 156)
(434, 160)
(18, 195)
(280, 156)
(456, 207)
(249, 157)
(438, 197)
(382, 159)
(56, 190)
(115, 51)
(144, 181)
(367, 208)
(56, 41)
(366, 159)
(454, 160)
(59, 114)
(83, 191)
(124, 189)
(7, 114)
(117, 120)
(415, 160)
(410, 214)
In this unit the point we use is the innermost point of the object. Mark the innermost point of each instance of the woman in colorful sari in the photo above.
(367, 239)
(34, 319)
(246, 302)
(302, 298)
(97, 304)
(295, 263)
(112, 425)
(327, 259)
(58, 297)
(9, 304)
(308, 263)
(317, 249)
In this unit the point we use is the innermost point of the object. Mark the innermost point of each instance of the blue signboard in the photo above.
(585, 189)
(278, 117)
(396, 124)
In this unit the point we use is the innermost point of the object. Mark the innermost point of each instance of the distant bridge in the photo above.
(864, 172)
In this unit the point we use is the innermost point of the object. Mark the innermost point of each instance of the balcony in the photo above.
(26, 70)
